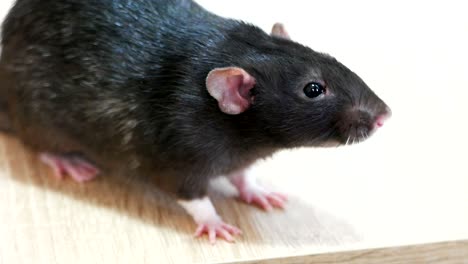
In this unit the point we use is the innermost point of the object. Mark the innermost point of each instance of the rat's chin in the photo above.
(354, 139)
(344, 140)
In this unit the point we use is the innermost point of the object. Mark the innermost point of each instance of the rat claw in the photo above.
(283, 197)
(262, 201)
(217, 229)
(225, 234)
(275, 201)
(232, 229)
(212, 235)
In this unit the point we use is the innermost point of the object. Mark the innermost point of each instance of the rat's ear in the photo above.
(231, 88)
(279, 31)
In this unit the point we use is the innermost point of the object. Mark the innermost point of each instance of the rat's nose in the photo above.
(358, 123)
(381, 118)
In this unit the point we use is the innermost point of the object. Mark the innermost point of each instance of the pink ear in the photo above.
(279, 31)
(231, 88)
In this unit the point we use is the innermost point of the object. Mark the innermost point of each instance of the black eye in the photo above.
(314, 89)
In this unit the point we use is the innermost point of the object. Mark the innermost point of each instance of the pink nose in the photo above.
(379, 122)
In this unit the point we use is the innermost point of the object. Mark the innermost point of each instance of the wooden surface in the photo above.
(400, 197)
(441, 253)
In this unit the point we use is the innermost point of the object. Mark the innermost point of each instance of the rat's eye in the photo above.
(314, 89)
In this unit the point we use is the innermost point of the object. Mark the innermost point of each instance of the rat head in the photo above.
(298, 97)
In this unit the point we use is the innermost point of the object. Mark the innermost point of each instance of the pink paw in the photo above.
(217, 229)
(265, 200)
(252, 193)
(79, 169)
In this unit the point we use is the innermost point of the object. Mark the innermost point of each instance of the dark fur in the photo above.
(81, 75)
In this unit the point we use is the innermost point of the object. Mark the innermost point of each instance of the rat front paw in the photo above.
(208, 220)
(217, 229)
(252, 193)
(264, 199)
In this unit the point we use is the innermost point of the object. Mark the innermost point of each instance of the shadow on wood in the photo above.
(145, 202)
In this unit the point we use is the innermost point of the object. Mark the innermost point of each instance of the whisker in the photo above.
(363, 136)
(356, 136)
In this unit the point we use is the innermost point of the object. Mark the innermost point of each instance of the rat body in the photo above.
(166, 90)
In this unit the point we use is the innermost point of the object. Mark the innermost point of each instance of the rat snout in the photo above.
(359, 123)
(382, 117)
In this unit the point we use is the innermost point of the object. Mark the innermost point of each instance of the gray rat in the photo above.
(166, 90)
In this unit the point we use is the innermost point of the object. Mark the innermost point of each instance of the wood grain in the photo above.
(442, 253)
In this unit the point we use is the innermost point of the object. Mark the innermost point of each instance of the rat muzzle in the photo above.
(359, 123)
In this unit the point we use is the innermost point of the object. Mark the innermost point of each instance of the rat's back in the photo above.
(73, 69)
(113, 30)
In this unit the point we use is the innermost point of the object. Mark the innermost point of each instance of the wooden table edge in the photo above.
(450, 252)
